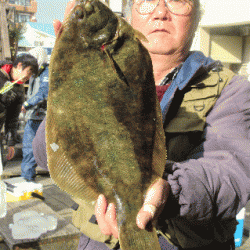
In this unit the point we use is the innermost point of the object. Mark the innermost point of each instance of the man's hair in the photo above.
(27, 60)
(197, 15)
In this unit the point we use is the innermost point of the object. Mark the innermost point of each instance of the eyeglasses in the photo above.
(178, 7)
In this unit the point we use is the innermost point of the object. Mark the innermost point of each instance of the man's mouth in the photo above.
(160, 30)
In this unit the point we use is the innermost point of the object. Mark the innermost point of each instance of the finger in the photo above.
(100, 212)
(69, 7)
(11, 152)
(110, 218)
(155, 200)
(146, 214)
(57, 26)
(157, 193)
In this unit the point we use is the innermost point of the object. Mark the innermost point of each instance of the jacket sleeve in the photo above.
(42, 91)
(39, 146)
(215, 181)
(12, 121)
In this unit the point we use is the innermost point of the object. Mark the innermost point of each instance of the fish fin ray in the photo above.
(159, 151)
(62, 171)
(132, 238)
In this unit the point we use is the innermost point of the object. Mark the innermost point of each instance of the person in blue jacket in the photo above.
(36, 111)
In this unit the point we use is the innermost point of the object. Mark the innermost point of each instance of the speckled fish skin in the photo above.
(104, 130)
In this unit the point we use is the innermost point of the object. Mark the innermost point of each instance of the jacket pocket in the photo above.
(196, 104)
(82, 219)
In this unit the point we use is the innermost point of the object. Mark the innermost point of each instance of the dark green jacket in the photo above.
(186, 107)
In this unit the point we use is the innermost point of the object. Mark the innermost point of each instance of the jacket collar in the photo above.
(5, 69)
(195, 63)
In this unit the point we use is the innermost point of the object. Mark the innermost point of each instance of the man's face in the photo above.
(19, 73)
(166, 32)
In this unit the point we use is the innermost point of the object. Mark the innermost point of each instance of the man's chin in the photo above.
(159, 47)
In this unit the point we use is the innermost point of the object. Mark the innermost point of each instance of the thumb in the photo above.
(57, 26)
(146, 214)
(154, 202)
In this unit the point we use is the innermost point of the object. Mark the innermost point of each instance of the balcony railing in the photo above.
(29, 6)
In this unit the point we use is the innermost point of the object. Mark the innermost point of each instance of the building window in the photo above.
(38, 43)
(20, 2)
(24, 18)
(27, 2)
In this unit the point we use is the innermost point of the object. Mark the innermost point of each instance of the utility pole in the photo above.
(4, 34)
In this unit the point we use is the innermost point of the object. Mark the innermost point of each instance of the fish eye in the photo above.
(79, 12)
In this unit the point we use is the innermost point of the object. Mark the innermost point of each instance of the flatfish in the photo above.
(104, 130)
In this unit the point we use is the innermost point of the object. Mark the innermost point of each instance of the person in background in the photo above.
(206, 113)
(12, 95)
(35, 106)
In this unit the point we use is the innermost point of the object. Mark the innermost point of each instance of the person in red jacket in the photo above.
(12, 95)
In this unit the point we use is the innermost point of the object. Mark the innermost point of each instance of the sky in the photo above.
(48, 10)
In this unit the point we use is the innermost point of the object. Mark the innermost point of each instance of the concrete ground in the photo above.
(58, 200)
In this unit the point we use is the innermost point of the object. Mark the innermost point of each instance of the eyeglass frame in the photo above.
(166, 5)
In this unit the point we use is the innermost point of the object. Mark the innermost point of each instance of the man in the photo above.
(11, 100)
(206, 121)
(36, 110)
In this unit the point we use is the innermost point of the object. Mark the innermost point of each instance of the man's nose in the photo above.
(161, 11)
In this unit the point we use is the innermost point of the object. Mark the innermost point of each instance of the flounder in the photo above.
(104, 130)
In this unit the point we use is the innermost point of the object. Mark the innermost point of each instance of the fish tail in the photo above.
(137, 239)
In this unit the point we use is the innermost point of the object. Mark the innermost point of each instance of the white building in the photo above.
(224, 33)
(116, 5)
(37, 34)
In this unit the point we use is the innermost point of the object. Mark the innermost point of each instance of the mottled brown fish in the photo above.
(104, 131)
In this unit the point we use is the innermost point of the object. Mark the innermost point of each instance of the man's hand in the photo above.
(23, 110)
(11, 153)
(106, 217)
(57, 24)
(155, 200)
(154, 203)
